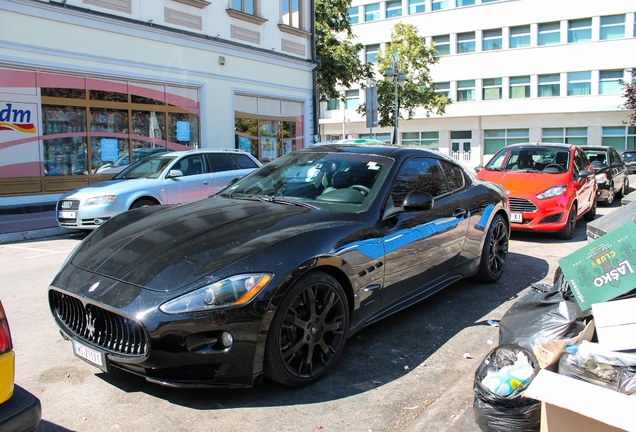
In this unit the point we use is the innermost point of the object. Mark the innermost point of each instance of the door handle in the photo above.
(459, 213)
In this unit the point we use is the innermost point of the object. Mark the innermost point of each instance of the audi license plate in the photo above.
(67, 215)
(94, 357)
(516, 217)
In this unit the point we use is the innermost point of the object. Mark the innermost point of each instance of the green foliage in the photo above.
(338, 55)
(629, 93)
(414, 60)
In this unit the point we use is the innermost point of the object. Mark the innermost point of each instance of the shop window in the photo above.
(576, 136)
(183, 129)
(428, 140)
(495, 139)
(66, 93)
(64, 144)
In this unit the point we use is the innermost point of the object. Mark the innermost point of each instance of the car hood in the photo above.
(525, 182)
(169, 249)
(109, 187)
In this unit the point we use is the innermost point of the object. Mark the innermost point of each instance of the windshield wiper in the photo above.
(280, 200)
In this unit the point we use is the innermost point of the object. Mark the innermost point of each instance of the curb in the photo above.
(32, 235)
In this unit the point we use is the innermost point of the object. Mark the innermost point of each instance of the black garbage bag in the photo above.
(500, 407)
(546, 313)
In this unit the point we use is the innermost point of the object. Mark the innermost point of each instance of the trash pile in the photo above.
(567, 351)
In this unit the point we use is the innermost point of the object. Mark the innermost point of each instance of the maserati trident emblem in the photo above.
(90, 324)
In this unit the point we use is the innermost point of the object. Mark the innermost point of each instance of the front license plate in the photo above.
(67, 215)
(516, 217)
(92, 356)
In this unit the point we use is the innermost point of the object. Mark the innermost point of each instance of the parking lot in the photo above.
(411, 371)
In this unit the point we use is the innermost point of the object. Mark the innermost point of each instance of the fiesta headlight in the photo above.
(232, 291)
(553, 192)
(601, 178)
(106, 199)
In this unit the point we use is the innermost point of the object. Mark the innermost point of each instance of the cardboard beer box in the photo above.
(603, 269)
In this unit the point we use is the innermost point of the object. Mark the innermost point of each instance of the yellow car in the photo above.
(19, 409)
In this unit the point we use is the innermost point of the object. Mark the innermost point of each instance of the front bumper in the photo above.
(537, 215)
(22, 412)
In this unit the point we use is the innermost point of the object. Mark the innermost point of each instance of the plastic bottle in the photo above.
(571, 363)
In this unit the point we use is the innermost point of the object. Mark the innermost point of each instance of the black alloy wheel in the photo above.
(567, 233)
(495, 251)
(308, 333)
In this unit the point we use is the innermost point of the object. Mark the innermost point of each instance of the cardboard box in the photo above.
(603, 269)
(548, 353)
(572, 405)
(616, 324)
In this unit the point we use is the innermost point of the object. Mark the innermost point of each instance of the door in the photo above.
(195, 184)
(461, 150)
(421, 247)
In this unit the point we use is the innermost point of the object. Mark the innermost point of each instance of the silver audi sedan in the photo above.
(166, 178)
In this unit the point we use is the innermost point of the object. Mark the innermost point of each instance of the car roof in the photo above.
(197, 151)
(388, 150)
(542, 144)
(595, 148)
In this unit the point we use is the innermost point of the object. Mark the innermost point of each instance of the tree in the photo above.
(414, 59)
(338, 55)
(629, 92)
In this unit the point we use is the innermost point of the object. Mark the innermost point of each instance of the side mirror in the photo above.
(478, 168)
(585, 173)
(417, 201)
(174, 173)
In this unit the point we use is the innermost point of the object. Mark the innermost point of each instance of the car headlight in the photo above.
(552, 192)
(232, 291)
(106, 199)
(601, 178)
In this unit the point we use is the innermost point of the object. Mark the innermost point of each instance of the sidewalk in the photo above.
(29, 226)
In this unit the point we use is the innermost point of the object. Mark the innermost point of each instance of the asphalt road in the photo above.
(410, 372)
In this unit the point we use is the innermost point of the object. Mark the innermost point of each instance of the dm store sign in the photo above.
(15, 117)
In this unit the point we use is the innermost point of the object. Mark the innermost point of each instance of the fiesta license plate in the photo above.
(516, 217)
(90, 355)
(67, 214)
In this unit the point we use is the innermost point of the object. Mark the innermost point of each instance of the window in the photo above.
(619, 137)
(549, 33)
(428, 140)
(491, 88)
(465, 90)
(491, 40)
(372, 12)
(465, 42)
(354, 17)
(443, 88)
(519, 87)
(520, 36)
(421, 175)
(416, 6)
(460, 3)
(440, 4)
(580, 30)
(292, 13)
(372, 52)
(612, 27)
(394, 8)
(352, 99)
(609, 82)
(495, 139)
(247, 6)
(579, 83)
(549, 85)
(576, 136)
(442, 45)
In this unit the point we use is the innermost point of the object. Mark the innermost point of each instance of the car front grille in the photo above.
(97, 326)
(68, 205)
(521, 205)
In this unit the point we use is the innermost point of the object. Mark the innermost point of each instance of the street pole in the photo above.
(399, 79)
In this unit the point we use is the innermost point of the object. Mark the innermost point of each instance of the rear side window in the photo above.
(454, 175)
(244, 161)
(221, 162)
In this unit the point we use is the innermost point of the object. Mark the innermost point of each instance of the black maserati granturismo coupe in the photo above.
(270, 277)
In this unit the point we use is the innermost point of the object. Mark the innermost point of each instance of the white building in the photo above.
(516, 71)
(86, 81)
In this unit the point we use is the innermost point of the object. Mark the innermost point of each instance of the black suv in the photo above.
(611, 173)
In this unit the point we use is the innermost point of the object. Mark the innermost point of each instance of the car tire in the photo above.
(308, 333)
(591, 213)
(142, 203)
(610, 196)
(567, 233)
(495, 251)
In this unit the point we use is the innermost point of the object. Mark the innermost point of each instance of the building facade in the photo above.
(86, 82)
(515, 70)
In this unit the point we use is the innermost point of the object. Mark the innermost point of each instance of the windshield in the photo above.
(346, 182)
(598, 158)
(549, 160)
(629, 156)
(150, 168)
